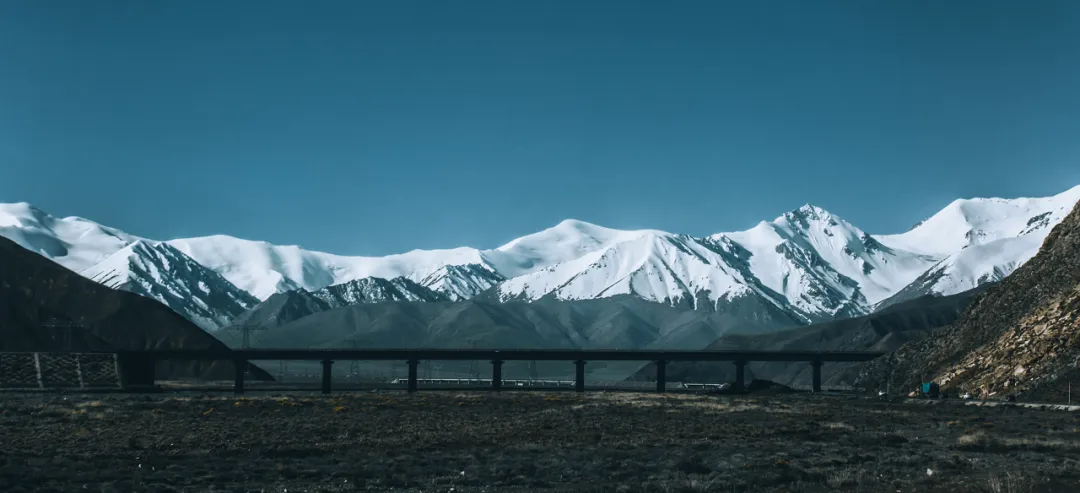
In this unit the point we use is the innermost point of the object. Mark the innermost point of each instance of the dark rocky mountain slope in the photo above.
(1021, 337)
(34, 290)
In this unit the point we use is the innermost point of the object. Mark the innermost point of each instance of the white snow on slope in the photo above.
(163, 273)
(654, 265)
(809, 244)
(263, 269)
(461, 282)
(73, 242)
(987, 262)
(981, 240)
(967, 222)
(566, 241)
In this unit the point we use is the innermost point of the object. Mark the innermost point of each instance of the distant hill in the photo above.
(34, 290)
(620, 322)
(1020, 337)
(884, 330)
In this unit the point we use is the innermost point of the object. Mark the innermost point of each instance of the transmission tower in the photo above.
(245, 340)
(283, 368)
(70, 325)
(473, 370)
(246, 330)
(354, 366)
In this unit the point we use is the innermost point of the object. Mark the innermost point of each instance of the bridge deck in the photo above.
(512, 354)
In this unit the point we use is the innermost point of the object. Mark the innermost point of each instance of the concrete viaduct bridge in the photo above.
(136, 368)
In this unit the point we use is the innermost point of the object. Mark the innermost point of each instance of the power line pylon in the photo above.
(245, 331)
(245, 339)
(473, 369)
(70, 325)
(354, 366)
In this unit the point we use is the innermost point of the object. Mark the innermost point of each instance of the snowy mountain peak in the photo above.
(461, 282)
(810, 217)
(13, 215)
(567, 232)
(568, 240)
(810, 211)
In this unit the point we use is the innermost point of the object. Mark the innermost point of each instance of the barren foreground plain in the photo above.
(526, 441)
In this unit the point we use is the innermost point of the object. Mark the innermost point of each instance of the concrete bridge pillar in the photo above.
(816, 365)
(579, 375)
(136, 371)
(327, 366)
(661, 376)
(239, 367)
(740, 376)
(496, 375)
(412, 375)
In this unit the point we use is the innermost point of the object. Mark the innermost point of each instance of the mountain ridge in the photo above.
(807, 262)
(163, 273)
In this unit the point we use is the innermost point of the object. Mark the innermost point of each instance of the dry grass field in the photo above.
(524, 441)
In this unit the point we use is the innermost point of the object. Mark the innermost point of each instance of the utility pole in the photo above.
(533, 373)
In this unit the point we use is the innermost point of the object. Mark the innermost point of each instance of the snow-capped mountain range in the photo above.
(808, 263)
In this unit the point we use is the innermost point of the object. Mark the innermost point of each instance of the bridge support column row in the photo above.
(740, 376)
(412, 375)
(816, 365)
(496, 375)
(579, 376)
(327, 366)
(661, 376)
(239, 367)
(136, 371)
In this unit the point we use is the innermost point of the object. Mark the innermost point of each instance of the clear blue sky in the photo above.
(363, 127)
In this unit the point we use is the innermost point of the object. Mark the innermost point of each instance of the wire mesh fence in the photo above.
(58, 370)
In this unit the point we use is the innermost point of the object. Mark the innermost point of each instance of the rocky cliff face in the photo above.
(1020, 337)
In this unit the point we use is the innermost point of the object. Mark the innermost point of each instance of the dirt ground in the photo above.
(524, 441)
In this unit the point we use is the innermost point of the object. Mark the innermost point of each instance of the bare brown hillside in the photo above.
(1021, 337)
